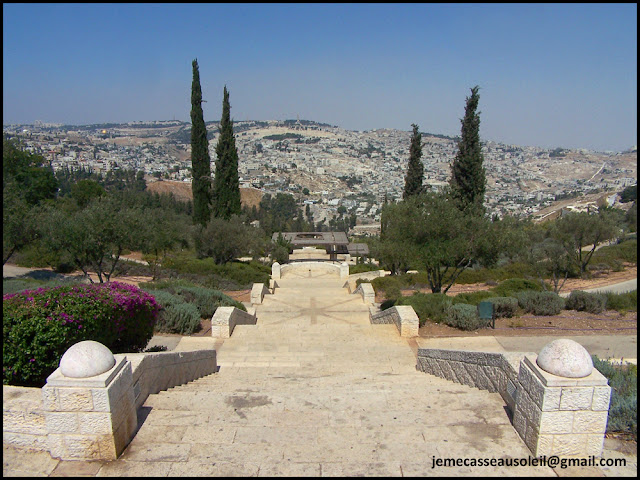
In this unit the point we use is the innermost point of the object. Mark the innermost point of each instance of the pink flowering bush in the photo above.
(40, 325)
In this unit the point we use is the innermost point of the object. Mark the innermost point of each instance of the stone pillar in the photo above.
(275, 271)
(561, 414)
(344, 270)
(89, 412)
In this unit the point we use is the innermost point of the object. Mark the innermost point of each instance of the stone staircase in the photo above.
(314, 389)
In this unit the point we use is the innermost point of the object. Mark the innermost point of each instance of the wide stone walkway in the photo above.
(314, 389)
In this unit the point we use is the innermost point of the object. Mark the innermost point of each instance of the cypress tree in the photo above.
(415, 170)
(226, 185)
(468, 181)
(200, 160)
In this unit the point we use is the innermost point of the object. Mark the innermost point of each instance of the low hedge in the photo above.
(586, 302)
(623, 409)
(182, 318)
(464, 317)
(508, 288)
(203, 303)
(504, 307)
(623, 302)
(428, 306)
(473, 298)
(540, 303)
(40, 325)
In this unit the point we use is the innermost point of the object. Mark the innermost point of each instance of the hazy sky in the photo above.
(549, 75)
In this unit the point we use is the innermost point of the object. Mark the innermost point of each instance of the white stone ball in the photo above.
(86, 359)
(565, 358)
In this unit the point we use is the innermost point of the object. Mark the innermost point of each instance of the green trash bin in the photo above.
(485, 312)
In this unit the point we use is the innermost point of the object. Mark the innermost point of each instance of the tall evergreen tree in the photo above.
(200, 159)
(226, 185)
(468, 181)
(415, 170)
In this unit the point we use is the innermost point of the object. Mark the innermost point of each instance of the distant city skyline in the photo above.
(550, 75)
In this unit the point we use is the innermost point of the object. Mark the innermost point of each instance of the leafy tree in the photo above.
(85, 190)
(429, 232)
(580, 233)
(629, 194)
(226, 240)
(27, 181)
(162, 231)
(468, 181)
(18, 222)
(200, 160)
(415, 171)
(94, 237)
(31, 173)
(226, 185)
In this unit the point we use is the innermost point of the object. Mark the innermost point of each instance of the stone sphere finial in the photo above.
(86, 359)
(565, 358)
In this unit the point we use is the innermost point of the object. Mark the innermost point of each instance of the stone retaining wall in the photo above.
(403, 316)
(553, 415)
(495, 372)
(277, 270)
(76, 422)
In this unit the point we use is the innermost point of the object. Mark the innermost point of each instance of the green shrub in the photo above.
(40, 325)
(540, 303)
(182, 318)
(623, 408)
(428, 306)
(464, 317)
(586, 302)
(207, 300)
(240, 273)
(363, 267)
(473, 298)
(165, 298)
(623, 302)
(504, 307)
(508, 288)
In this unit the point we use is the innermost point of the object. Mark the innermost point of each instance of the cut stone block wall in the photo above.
(225, 320)
(23, 423)
(554, 415)
(561, 416)
(403, 316)
(95, 418)
(91, 418)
